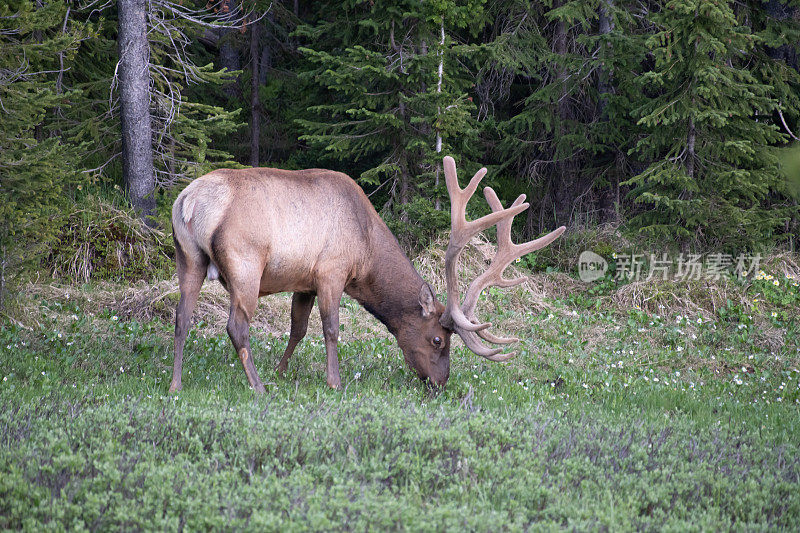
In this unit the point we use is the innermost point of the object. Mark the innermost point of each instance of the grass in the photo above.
(610, 418)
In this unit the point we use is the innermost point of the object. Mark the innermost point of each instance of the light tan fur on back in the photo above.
(188, 207)
(292, 228)
(198, 211)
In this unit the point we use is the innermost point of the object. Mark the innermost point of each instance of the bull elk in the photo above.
(314, 232)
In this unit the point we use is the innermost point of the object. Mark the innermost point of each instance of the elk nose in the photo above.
(436, 384)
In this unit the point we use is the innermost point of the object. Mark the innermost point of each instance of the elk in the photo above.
(314, 233)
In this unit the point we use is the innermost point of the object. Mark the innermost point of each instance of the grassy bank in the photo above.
(613, 416)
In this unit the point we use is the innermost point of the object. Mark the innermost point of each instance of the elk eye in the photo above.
(437, 341)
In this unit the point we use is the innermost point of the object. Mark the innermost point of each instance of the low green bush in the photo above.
(605, 420)
(99, 241)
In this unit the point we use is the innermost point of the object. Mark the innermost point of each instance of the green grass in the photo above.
(606, 420)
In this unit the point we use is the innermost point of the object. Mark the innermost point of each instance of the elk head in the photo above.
(425, 342)
(457, 316)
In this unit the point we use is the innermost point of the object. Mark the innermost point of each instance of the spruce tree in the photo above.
(37, 170)
(385, 107)
(776, 28)
(707, 131)
(567, 127)
(186, 123)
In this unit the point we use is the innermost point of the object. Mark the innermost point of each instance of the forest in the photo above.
(665, 119)
(658, 392)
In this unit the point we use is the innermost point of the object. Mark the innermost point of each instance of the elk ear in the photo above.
(427, 300)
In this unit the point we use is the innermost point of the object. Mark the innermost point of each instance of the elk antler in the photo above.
(461, 318)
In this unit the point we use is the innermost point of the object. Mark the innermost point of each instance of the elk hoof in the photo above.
(334, 382)
(281, 369)
(174, 387)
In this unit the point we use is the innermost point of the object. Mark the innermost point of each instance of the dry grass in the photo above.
(668, 297)
(541, 292)
(99, 242)
(145, 301)
(783, 264)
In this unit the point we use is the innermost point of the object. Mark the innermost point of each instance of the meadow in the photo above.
(638, 406)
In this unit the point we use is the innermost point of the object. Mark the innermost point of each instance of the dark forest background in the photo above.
(669, 121)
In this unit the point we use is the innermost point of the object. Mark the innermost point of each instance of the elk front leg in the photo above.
(242, 308)
(329, 299)
(301, 310)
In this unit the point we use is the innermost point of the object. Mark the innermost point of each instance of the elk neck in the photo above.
(389, 288)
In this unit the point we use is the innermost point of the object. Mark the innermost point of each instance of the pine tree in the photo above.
(567, 125)
(386, 107)
(186, 124)
(776, 29)
(37, 170)
(707, 131)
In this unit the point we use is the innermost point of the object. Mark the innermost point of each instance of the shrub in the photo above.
(100, 241)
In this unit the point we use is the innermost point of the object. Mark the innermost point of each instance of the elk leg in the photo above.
(301, 310)
(329, 312)
(190, 280)
(242, 309)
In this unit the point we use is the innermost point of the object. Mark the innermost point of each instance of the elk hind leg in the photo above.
(191, 273)
(302, 303)
(243, 305)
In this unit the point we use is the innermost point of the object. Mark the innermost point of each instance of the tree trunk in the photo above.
(255, 36)
(404, 183)
(437, 202)
(60, 77)
(561, 183)
(134, 89)
(609, 194)
(229, 59)
(38, 37)
(405, 189)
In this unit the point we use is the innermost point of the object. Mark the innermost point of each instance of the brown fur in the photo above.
(311, 232)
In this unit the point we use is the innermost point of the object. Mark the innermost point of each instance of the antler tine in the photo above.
(461, 231)
(461, 318)
(475, 345)
(507, 252)
(494, 339)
